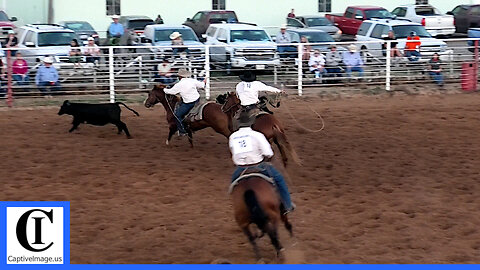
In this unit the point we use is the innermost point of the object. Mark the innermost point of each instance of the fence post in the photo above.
(9, 82)
(207, 71)
(111, 75)
(476, 63)
(300, 68)
(140, 73)
(388, 66)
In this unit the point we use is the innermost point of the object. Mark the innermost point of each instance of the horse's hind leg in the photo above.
(272, 233)
(252, 239)
(288, 225)
(190, 137)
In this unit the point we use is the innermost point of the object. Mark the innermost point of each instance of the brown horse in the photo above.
(212, 114)
(266, 124)
(255, 201)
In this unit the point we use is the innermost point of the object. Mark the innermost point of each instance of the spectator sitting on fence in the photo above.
(394, 51)
(435, 69)
(75, 53)
(307, 49)
(91, 51)
(412, 47)
(291, 14)
(115, 31)
(284, 38)
(47, 76)
(177, 40)
(353, 61)
(12, 42)
(164, 73)
(20, 70)
(316, 64)
(333, 62)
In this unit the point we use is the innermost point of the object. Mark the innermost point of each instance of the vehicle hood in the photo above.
(254, 44)
(85, 32)
(5, 23)
(327, 28)
(53, 50)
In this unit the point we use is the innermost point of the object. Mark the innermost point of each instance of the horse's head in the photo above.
(231, 102)
(220, 99)
(155, 95)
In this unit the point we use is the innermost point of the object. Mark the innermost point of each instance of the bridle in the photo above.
(229, 108)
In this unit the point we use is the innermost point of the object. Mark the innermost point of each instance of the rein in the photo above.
(229, 108)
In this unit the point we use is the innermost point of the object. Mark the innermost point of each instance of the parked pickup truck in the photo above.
(353, 17)
(430, 17)
(473, 33)
(466, 16)
(202, 20)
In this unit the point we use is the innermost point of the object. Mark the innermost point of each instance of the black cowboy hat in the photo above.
(245, 119)
(248, 76)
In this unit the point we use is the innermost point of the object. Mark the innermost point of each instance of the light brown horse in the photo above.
(255, 201)
(266, 124)
(212, 114)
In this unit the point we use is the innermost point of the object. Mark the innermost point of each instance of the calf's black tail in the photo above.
(128, 108)
(258, 215)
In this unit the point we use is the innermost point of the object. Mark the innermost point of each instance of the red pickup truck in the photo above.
(353, 17)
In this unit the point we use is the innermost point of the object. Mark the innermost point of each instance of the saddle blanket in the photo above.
(246, 176)
(196, 113)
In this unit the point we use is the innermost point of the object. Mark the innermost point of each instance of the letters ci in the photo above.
(22, 230)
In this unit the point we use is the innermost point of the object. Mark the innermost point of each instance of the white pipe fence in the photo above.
(124, 70)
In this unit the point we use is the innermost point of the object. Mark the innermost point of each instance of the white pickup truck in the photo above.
(430, 17)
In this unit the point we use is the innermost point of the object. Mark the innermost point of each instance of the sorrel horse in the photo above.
(266, 124)
(212, 114)
(255, 201)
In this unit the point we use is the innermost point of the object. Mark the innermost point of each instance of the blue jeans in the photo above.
(413, 55)
(357, 69)
(335, 71)
(437, 77)
(287, 51)
(42, 86)
(180, 113)
(270, 171)
(164, 79)
(20, 79)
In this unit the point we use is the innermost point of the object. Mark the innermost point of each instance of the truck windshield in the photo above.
(249, 35)
(317, 37)
(79, 26)
(223, 17)
(378, 13)
(317, 22)
(55, 38)
(426, 11)
(139, 24)
(164, 34)
(403, 31)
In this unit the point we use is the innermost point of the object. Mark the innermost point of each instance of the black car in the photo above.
(83, 30)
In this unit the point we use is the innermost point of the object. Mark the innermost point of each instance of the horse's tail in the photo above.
(283, 142)
(258, 215)
(121, 103)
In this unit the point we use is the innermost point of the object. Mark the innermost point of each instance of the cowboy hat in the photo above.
(352, 48)
(48, 60)
(90, 38)
(115, 17)
(284, 26)
(175, 35)
(248, 76)
(11, 32)
(184, 73)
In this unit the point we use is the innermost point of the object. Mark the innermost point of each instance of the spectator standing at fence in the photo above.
(177, 40)
(316, 64)
(307, 49)
(91, 51)
(353, 61)
(47, 76)
(394, 51)
(284, 38)
(164, 73)
(333, 61)
(412, 47)
(115, 30)
(20, 70)
(291, 14)
(12, 42)
(75, 53)
(435, 69)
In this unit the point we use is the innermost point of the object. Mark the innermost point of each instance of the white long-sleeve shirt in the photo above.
(187, 88)
(248, 91)
(318, 61)
(249, 146)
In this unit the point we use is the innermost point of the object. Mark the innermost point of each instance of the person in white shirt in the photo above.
(91, 51)
(248, 89)
(188, 90)
(316, 64)
(249, 149)
(284, 38)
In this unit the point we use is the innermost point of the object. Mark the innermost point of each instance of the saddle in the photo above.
(253, 113)
(196, 113)
(247, 174)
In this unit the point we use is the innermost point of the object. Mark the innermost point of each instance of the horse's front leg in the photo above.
(173, 129)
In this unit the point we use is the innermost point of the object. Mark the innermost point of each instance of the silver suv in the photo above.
(42, 40)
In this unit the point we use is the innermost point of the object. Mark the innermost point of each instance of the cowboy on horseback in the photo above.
(188, 90)
(249, 149)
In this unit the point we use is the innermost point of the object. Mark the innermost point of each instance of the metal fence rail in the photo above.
(130, 70)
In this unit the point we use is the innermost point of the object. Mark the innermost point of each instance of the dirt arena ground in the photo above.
(391, 179)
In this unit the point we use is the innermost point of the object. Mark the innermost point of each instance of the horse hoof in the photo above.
(261, 261)
(167, 142)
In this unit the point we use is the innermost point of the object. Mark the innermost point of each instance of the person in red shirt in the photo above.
(412, 47)
(291, 14)
(20, 70)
